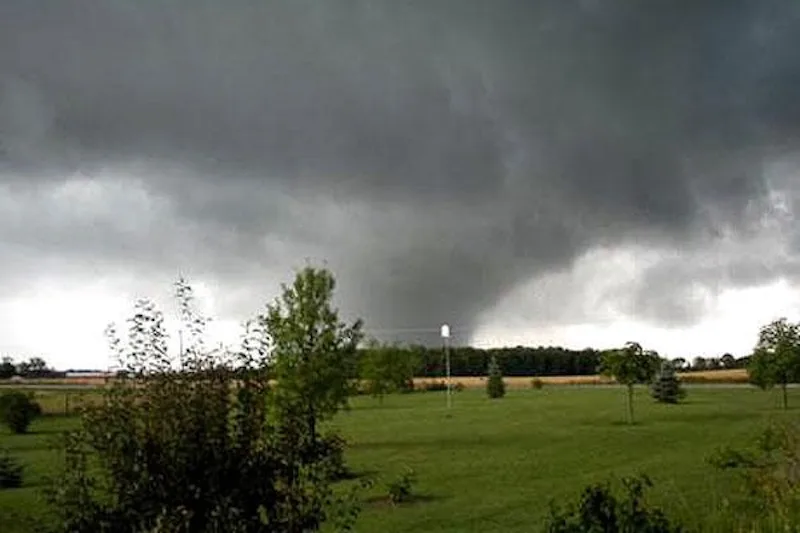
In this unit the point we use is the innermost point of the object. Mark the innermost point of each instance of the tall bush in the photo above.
(18, 410)
(600, 510)
(176, 445)
(387, 369)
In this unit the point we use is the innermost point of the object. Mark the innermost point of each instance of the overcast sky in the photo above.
(579, 173)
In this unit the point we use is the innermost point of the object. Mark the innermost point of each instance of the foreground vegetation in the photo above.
(495, 465)
(254, 440)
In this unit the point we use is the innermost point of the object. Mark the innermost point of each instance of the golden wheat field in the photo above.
(738, 375)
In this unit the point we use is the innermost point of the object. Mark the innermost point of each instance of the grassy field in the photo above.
(493, 466)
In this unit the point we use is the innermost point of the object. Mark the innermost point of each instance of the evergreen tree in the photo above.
(667, 387)
(495, 386)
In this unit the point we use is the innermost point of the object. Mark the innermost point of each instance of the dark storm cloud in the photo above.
(437, 153)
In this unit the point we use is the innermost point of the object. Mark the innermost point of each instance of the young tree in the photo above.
(495, 386)
(667, 387)
(373, 370)
(600, 509)
(18, 410)
(311, 348)
(628, 366)
(387, 368)
(311, 353)
(776, 358)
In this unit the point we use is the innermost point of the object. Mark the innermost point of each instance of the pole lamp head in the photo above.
(445, 331)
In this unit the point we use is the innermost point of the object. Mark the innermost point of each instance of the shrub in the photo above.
(331, 455)
(10, 471)
(17, 410)
(537, 383)
(400, 489)
(667, 387)
(387, 369)
(771, 479)
(599, 510)
(495, 386)
(170, 448)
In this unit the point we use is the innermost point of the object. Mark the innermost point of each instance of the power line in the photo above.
(408, 330)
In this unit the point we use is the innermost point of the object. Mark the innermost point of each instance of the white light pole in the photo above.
(446, 339)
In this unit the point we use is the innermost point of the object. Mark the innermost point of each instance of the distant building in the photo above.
(88, 374)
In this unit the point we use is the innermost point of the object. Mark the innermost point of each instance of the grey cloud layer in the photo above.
(460, 147)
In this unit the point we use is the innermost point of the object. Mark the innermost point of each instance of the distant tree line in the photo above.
(465, 361)
(698, 364)
(516, 361)
(526, 361)
(33, 368)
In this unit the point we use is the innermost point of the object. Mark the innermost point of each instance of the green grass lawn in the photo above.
(493, 465)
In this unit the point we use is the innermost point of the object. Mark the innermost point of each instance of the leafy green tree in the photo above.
(178, 445)
(401, 489)
(7, 368)
(37, 367)
(728, 361)
(311, 353)
(373, 370)
(388, 368)
(33, 368)
(495, 386)
(776, 358)
(18, 410)
(628, 366)
(311, 348)
(667, 387)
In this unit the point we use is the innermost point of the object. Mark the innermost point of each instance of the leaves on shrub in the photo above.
(18, 410)
(599, 510)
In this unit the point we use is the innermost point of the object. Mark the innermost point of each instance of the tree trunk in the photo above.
(630, 404)
(785, 396)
